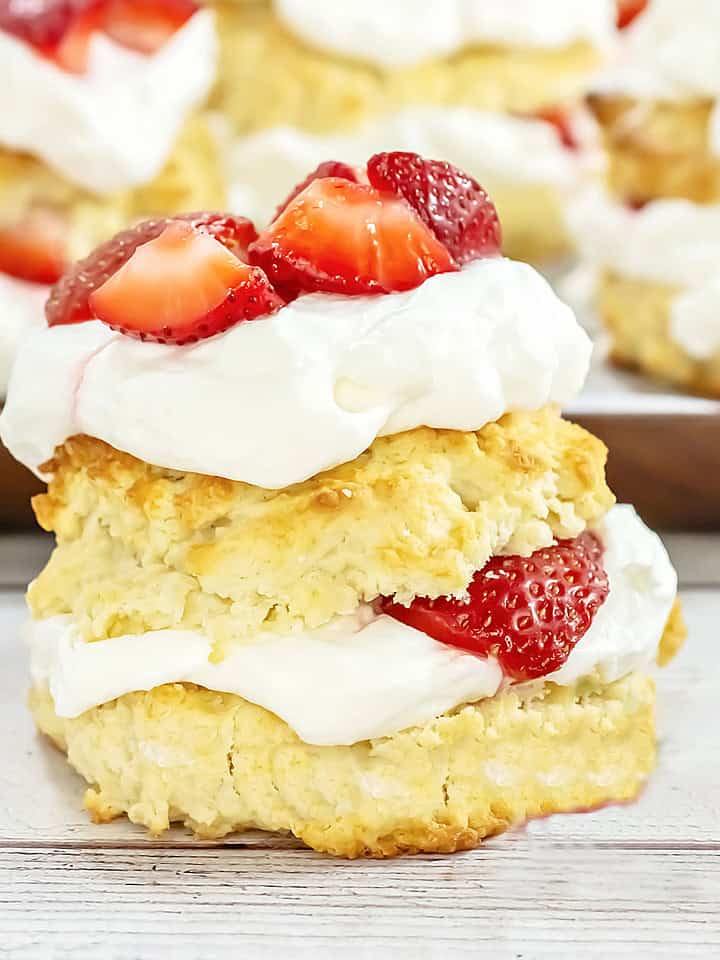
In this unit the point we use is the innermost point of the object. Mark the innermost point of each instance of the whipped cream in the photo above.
(277, 400)
(361, 676)
(404, 32)
(695, 320)
(497, 149)
(114, 126)
(21, 309)
(666, 241)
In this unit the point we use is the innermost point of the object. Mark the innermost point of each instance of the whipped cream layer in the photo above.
(276, 400)
(361, 676)
(668, 242)
(114, 126)
(21, 309)
(404, 32)
(497, 149)
(671, 52)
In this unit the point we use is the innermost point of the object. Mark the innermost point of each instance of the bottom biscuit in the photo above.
(218, 763)
(637, 315)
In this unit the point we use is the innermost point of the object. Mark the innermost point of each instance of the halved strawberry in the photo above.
(69, 299)
(181, 287)
(344, 237)
(36, 248)
(529, 612)
(145, 25)
(450, 202)
(58, 29)
(628, 10)
(330, 168)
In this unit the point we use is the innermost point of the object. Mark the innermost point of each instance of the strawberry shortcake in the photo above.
(493, 86)
(329, 560)
(99, 128)
(655, 235)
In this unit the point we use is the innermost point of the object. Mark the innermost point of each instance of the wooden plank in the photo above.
(680, 806)
(507, 900)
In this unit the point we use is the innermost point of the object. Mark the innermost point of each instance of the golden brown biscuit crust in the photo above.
(417, 514)
(658, 148)
(296, 85)
(636, 313)
(218, 763)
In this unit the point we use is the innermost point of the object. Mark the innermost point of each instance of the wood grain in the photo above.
(17, 486)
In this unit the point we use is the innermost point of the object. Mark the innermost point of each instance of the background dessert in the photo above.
(99, 127)
(354, 576)
(496, 88)
(655, 239)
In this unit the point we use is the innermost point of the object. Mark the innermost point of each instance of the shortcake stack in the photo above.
(657, 241)
(98, 129)
(494, 86)
(328, 559)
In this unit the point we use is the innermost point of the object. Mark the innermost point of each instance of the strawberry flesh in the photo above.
(69, 299)
(529, 612)
(628, 10)
(448, 201)
(330, 168)
(145, 25)
(180, 287)
(561, 120)
(34, 249)
(343, 237)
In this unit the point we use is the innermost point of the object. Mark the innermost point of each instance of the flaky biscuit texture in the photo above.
(417, 514)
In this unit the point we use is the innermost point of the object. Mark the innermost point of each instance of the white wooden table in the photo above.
(641, 880)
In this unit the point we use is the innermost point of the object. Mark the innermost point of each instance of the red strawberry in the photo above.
(330, 168)
(529, 612)
(562, 122)
(181, 287)
(627, 10)
(344, 237)
(145, 25)
(35, 249)
(68, 302)
(58, 29)
(453, 205)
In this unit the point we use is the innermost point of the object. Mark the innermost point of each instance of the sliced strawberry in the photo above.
(628, 10)
(181, 287)
(145, 25)
(35, 249)
(562, 121)
(344, 237)
(330, 168)
(529, 612)
(58, 29)
(68, 301)
(453, 205)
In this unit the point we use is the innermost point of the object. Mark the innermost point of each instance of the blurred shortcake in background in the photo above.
(99, 127)
(654, 233)
(494, 87)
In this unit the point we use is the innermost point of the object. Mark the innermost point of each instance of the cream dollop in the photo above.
(276, 400)
(21, 309)
(497, 149)
(695, 320)
(361, 676)
(666, 241)
(113, 127)
(405, 32)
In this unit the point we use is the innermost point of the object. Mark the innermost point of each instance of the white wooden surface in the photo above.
(641, 880)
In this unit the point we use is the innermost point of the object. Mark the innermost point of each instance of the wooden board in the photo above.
(641, 880)
(17, 486)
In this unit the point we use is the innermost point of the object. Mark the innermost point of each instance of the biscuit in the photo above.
(658, 148)
(636, 314)
(417, 514)
(218, 763)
